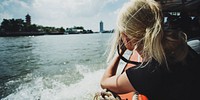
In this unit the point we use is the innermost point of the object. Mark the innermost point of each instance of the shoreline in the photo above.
(8, 34)
(16, 34)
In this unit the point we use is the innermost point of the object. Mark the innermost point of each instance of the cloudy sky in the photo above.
(64, 13)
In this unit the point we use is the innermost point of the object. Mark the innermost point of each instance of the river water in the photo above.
(52, 67)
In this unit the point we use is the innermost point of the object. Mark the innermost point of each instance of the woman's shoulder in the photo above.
(145, 68)
(147, 64)
(192, 58)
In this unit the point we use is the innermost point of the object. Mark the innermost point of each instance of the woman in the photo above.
(169, 68)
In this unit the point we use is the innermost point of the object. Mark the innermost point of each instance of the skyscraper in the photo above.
(101, 26)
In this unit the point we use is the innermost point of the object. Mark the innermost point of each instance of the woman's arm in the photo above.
(110, 73)
(113, 82)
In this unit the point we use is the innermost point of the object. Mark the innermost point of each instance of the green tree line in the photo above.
(18, 25)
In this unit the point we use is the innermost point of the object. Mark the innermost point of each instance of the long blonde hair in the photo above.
(142, 20)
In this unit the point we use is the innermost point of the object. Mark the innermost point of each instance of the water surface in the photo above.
(52, 67)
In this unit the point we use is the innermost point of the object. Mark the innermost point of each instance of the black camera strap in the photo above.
(126, 60)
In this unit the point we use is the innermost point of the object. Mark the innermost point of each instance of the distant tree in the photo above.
(79, 27)
(5, 25)
(1, 31)
(12, 25)
(84, 31)
(61, 29)
(33, 28)
(47, 29)
(19, 25)
(89, 31)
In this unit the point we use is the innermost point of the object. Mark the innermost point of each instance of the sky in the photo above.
(64, 13)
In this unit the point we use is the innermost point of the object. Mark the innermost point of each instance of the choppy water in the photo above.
(52, 67)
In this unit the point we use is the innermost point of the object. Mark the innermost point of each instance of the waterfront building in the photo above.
(101, 27)
(28, 20)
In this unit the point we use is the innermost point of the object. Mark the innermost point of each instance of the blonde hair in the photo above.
(142, 20)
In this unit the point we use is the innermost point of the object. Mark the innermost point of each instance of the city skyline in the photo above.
(64, 13)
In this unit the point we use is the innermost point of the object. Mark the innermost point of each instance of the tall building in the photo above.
(101, 26)
(28, 20)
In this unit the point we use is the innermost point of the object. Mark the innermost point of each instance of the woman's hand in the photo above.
(122, 48)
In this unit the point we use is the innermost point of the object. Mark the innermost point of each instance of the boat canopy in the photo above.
(191, 6)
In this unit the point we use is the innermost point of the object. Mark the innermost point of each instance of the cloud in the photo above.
(66, 13)
(12, 8)
(5, 15)
(70, 8)
(70, 12)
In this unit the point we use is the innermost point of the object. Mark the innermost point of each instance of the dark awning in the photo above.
(179, 5)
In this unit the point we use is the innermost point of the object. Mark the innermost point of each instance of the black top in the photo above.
(156, 82)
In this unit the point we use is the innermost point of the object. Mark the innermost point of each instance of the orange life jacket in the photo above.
(128, 96)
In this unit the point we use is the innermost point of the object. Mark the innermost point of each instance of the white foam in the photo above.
(42, 88)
